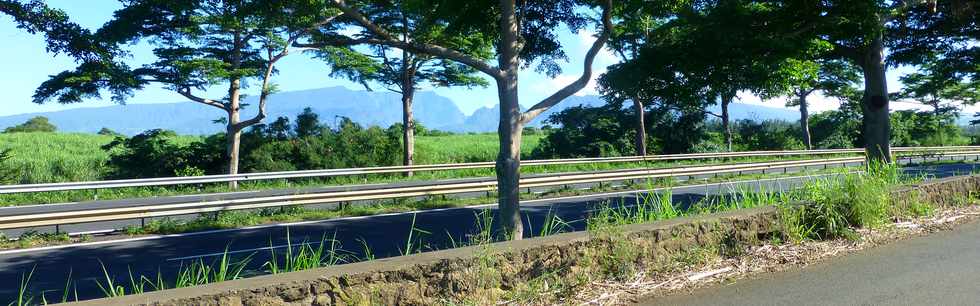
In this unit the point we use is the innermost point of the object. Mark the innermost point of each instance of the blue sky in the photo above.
(27, 65)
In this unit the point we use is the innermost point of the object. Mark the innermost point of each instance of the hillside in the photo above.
(368, 108)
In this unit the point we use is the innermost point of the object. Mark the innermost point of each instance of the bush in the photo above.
(274, 147)
(610, 130)
(34, 125)
(838, 204)
(155, 154)
(767, 135)
(348, 146)
(588, 132)
(912, 129)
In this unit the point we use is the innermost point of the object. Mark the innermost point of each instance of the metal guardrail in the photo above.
(171, 181)
(72, 213)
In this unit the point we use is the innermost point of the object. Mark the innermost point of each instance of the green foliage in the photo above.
(347, 146)
(196, 273)
(156, 153)
(587, 132)
(8, 172)
(108, 132)
(836, 129)
(835, 205)
(34, 125)
(766, 135)
(305, 256)
(912, 129)
(609, 131)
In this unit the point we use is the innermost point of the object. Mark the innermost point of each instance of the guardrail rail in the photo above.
(61, 214)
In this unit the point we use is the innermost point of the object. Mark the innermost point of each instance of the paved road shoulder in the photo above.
(938, 269)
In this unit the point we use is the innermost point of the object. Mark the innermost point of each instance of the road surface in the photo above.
(939, 269)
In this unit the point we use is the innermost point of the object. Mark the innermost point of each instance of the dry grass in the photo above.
(766, 258)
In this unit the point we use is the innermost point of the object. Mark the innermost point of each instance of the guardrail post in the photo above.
(57, 229)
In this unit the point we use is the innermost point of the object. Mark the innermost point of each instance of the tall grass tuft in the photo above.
(416, 239)
(24, 297)
(307, 257)
(836, 204)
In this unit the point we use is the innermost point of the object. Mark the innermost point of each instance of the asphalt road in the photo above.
(386, 236)
(938, 269)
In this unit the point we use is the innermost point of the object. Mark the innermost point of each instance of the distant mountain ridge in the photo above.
(367, 108)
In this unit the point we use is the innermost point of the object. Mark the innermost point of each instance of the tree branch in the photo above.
(270, 67)
(570, 89)
(385, 38)
(186, 92)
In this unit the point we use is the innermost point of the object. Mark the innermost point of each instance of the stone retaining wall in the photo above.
(452, 275)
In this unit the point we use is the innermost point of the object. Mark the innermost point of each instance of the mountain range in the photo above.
(364, 107)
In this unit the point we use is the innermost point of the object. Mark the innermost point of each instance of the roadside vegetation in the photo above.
(824, 208)
(305, 143)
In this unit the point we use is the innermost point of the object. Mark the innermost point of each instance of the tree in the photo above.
(307, 123)
(523, 35)
(803, 77)
(636, 21)
(859, 32)
(705, 54)
(108, 132)
(403, 72)
(935, 87)
(199, 44)
(39, 124)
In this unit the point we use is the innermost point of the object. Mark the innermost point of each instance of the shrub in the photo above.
(767, 135)
(34, 125)
(154, 153)
(836, 204)
(610, 130)
(348, 146)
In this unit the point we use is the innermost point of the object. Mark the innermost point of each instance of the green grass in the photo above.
(465, 148)
(142, 192)
(68, 157)
(60, 157)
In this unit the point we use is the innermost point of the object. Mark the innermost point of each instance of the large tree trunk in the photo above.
(726, 119)
(233, 134)
(408, 120)
(877, 127)
(805, 121)
(509, 131)
(234, 108)
(641, 131)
